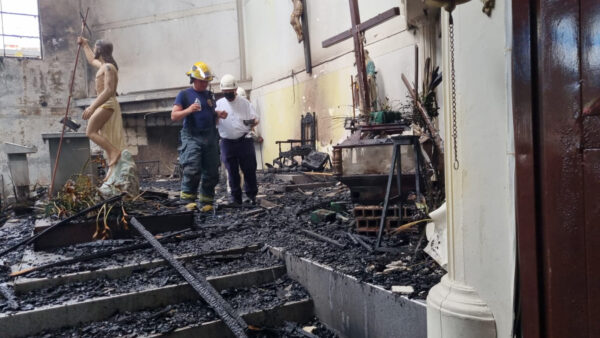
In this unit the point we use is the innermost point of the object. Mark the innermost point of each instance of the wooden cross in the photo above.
(359, 53)
(306, 41)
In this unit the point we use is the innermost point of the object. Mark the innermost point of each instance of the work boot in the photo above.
(234, 201)
(191, 206)
(250, 200)
(205, 207)
(186, 198)
(205, 199)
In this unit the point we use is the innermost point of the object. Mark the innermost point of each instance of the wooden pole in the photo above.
(436, 135)
(353, 98)
(51, 190)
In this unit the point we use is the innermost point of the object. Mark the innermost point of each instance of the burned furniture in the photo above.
(362, 163)
(316, 161)
(298, 148)
(366, 163)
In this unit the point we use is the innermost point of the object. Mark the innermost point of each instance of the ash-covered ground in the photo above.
(277, 221)
(280, 224)
(288, 213)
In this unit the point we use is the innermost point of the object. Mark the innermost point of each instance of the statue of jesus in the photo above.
(105, 124)
(295, 18)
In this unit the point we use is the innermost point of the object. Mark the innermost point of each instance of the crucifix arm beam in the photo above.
(374, 21)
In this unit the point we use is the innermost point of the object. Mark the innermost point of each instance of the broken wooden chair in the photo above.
(298, 148)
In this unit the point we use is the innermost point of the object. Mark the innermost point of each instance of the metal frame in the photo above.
(39, 37)
(396, 169)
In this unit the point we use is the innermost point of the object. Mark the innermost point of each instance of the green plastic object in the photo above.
(322, 215)
(337, 207)
(381, 117)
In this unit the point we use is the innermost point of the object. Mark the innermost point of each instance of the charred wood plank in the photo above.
(292, 187)
(300, 311)
(115, 272)
(64, 221)
(31, 322)
(363, 243)
(237, 325)
(352, 238)
(323, 238)
(166, 239)
(82, 232)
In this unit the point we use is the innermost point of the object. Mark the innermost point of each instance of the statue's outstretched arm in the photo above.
(89, 53)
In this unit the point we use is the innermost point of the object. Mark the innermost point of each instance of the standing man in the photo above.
(199, 152)
(237, 146)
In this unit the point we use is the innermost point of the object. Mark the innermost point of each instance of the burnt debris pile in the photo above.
(124, 286)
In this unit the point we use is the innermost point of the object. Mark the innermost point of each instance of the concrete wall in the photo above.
(482, 190)
(34, 93)
(273, 54)
(156, 42)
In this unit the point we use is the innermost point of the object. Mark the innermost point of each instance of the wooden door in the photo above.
(556, 74)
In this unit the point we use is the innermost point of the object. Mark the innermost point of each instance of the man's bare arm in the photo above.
(178, 113)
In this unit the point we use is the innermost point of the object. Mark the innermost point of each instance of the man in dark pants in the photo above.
(199, 152)
(237, 147)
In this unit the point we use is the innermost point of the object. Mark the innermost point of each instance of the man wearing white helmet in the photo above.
(237, 149)
(199, 152)
(241, 92)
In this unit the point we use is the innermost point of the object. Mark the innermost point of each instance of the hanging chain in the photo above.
(456, 164)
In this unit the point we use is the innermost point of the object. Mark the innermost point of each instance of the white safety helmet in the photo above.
(228, 82)
(241, 92)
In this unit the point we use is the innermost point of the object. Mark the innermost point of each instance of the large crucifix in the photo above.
(359, 52)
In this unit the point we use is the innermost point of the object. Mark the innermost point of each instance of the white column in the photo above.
(454, 308)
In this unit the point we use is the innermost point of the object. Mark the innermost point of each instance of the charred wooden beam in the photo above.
(352, 238)
(166, 239)
(364, 245)
(82, 232)
(237, 325)
(323, 238)
(115, 272)
(64, 221)
(31, 322)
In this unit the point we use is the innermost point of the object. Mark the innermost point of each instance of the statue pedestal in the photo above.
(122, 179)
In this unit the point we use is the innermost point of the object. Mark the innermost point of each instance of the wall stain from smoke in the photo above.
(56, 80)
(283, 108)
(33, 92)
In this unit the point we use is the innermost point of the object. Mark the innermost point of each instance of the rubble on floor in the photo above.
(306, 214)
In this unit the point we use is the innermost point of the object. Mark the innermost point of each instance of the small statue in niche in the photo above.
(488, 6)
(371, 81)
(295, 19)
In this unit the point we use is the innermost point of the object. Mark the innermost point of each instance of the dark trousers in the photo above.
(199, 157)
(239, 154)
